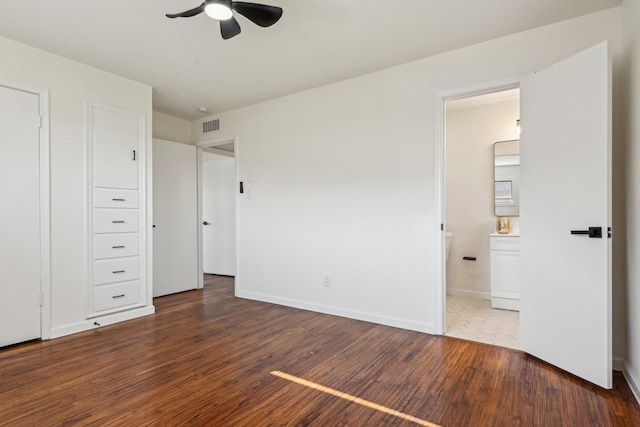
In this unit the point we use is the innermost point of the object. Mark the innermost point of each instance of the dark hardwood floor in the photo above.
(206, 358)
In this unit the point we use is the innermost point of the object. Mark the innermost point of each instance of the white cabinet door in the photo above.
(175, 217)
(116, 153)
(19, 216)
(565, 279)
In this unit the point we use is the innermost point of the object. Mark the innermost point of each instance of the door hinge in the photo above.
(41, 298)
(40, 122)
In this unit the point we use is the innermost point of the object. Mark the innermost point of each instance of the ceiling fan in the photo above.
(222, 10)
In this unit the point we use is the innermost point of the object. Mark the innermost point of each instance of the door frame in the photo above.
(212, 143)
(45, 202)
(441, 98)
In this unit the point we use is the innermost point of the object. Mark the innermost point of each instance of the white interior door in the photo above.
(218, 212)
(565, 279)
(19, 216)
(175, 217)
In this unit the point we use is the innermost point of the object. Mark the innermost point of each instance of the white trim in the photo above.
(632, 378)
(617, 364)
(202, 145)
(469, 294)
(366, 317)
(439, 178)
(105, 320)
(44, 201)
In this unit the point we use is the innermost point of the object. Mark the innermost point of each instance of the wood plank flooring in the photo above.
(206, 359)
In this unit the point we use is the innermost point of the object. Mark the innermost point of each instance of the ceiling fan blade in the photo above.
(188, 13)
(259, 14)
(229, 28)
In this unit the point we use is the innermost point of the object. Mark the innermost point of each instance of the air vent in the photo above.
(211, 126)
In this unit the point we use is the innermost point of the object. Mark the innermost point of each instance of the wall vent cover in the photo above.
(211, 126)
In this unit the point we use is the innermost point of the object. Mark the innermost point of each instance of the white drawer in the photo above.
(106, 297)
(115, 270)
(115, 221)
(505, 243)
(115, 198)
(115, 245)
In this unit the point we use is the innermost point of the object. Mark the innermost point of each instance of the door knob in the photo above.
(593, 232)
(206, 223)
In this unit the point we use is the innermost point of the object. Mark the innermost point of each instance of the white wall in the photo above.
(71, 84)
(342, 178)
(631, 155)
(171, 128)
(471, 133)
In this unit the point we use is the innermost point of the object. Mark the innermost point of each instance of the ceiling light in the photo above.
(219, 10)
(203, 109)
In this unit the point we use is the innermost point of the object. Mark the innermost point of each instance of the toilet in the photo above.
(448, 236)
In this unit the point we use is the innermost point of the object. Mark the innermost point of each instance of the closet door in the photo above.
(175, 217)
(19, 216)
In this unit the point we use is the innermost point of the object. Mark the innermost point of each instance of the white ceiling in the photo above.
(315, 43)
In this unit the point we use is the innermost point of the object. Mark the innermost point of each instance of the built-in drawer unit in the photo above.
(116, 295)
(115, 221)
(115, 270)
(115, 245)
(115, 198)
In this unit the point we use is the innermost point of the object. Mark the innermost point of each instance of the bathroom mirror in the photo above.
(506, 167)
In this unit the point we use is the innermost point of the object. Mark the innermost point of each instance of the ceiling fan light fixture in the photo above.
(219, 10)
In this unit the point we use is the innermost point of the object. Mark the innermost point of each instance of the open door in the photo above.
(175, 217)
(565, 269)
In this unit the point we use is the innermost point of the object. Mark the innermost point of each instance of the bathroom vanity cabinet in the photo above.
(505, 270)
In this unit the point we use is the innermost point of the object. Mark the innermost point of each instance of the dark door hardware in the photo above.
(241, 187)
(206, 223)
(118, 200)
(469, 258)
(134, 155)
(117, 222)
(593, 232)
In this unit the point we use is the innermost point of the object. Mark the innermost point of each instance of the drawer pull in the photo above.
(118, 200)
(118, 271)
(117, 247)
(118, 296)
(117, 222)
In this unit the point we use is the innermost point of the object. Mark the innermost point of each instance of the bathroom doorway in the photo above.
(473, 252)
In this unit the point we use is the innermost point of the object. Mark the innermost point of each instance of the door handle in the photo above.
(593, 232)
(206, 223)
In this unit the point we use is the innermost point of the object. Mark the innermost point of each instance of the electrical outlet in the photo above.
(327, 281)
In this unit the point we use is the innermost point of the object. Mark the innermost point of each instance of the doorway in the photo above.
(24, 217)
(474, 123)
(217, 207)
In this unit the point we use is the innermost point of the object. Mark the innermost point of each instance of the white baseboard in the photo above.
(617, 364)
(632, 379)
(109, 319)
(469, 294)
(335, 311)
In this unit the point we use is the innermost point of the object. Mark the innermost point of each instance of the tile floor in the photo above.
(473, 319)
